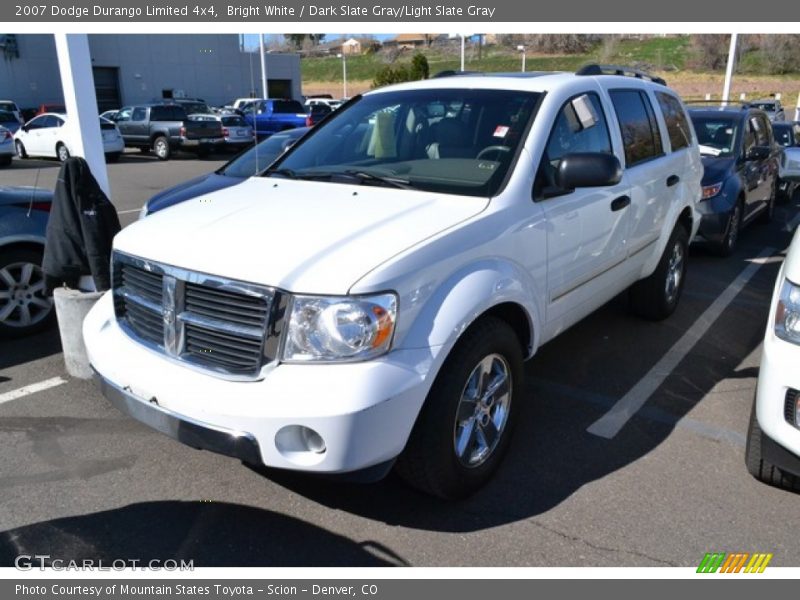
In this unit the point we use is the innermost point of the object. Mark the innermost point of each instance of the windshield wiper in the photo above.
(288, 173)
(388, 181)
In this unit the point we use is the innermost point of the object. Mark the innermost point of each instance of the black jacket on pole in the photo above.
(82, 224)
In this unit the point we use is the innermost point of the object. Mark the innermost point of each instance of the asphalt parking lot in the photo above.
(580, 486)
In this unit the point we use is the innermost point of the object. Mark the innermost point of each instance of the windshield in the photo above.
(262, 155)
(452, 141)
(716, 136)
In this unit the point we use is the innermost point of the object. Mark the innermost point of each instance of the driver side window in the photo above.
(580, 127)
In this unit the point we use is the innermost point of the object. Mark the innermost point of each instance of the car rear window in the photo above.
(287, 106)
(9, 106)
(235, 121)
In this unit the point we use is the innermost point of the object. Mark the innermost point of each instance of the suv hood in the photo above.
(301, 236)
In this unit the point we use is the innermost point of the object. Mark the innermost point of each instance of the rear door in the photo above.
(587, 228)
(649, 171)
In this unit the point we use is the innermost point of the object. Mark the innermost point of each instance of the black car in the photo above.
(787, 135)
(740, 179)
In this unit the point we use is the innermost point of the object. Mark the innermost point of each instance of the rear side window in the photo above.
(287, 106)
(678, 130)
(139, 114)
(638, 126)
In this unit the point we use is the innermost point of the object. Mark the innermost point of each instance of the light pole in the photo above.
(522, 49)
(344, 74)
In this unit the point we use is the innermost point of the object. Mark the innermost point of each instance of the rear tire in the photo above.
(465, 425)
(161, 148)
(759, 468)
(656, 297)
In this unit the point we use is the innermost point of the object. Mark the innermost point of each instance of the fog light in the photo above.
(791, 408)
(312, 440)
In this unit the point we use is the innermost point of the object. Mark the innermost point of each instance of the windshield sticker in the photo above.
(501, 131)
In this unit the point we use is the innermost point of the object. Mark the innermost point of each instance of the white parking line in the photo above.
(626, 407)
(31, 389)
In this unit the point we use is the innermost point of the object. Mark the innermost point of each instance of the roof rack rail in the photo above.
(595, 69)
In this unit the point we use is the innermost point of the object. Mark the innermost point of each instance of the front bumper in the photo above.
(777, 375)
(364, 412)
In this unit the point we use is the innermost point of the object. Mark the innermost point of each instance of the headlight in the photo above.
(337, 329)
(787, 313)
(143, 212)
(709, 191)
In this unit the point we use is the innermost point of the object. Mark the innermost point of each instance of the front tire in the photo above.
(656, 297)
(61, 152)
(728, 243)
(760, 468)
(20, 149)
(465, 425)
(24, 307)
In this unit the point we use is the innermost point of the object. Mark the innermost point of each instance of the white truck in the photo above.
(369, 300)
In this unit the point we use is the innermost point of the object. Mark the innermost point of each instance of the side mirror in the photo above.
(758, 153)
(588, 169)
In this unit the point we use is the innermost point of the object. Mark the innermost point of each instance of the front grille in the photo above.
(227, 327)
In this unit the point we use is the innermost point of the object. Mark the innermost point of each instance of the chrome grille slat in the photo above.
(203, 320)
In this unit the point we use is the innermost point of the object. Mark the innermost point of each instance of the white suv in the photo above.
(773, 438)
(373, 296)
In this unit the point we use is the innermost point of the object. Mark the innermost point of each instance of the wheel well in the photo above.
(517, 318)
(685, 219)
(22, 246)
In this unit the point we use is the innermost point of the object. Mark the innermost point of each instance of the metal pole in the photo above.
(264, 90)
(462, 51)
(344, 75)
(80, 100)
(797, 109)
(726, 91)
(522, 49)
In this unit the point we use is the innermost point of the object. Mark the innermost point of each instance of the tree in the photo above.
(419, 67)
(298, 40)
(710, 51)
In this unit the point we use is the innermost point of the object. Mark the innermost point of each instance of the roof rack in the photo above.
(595, 69)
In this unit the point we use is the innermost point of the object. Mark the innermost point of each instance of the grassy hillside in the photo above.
(668, 56)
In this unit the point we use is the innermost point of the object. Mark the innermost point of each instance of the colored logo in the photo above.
(736, 562)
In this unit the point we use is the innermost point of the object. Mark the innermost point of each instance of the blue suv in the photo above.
(740, 179)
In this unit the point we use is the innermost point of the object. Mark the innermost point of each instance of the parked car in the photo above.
(239, 103)
(740, 182)
(329, 102)
(273, 115)
(772, 108)
(9, 121)
(51, 108)
(165, 128)
(47, 136)
(772, 454)
(109, 114)
(371, 298)
(11, 106)
(7, 150)
(24, 306)
(317, 112)
(244, 165)
(238, 132)
(787, 135)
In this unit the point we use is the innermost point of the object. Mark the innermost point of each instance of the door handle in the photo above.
(672, 180)
(620, 203)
